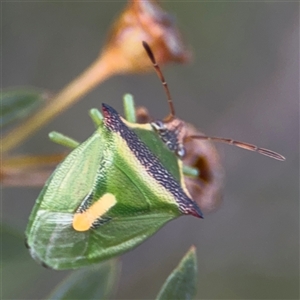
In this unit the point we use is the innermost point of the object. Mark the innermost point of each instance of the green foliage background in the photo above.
(243, 83)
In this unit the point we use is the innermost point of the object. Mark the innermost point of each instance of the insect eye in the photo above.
(170, 145)
(180, 152)
(158, 126)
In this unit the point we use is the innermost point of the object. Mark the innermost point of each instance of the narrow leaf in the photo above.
(95, 282)
(181, 283)
(18, 103)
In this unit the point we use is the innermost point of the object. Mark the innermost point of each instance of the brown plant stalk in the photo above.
(99, 71)
(123, 53)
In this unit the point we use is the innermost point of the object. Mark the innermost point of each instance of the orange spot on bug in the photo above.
(84, 220)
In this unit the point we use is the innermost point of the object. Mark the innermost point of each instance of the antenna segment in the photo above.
(171, 116)
(162, 79)
(239, 144)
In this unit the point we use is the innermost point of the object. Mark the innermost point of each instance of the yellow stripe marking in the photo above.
(83, 221)
(147, 126)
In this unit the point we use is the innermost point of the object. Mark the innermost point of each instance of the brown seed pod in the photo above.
(205, 189)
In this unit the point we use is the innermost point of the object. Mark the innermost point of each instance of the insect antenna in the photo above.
(239, 144)
(163, 81)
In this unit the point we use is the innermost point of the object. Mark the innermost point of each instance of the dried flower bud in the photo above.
(143, 20)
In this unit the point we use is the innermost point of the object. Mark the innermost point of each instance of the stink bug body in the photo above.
(108, 195)
(115, 189)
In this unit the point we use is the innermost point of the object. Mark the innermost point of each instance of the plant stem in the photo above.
(100, 70)
(20, 162)
(28, 170)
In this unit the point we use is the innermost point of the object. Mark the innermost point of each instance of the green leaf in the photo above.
(181, 283)
(95, 282)
(18, 103)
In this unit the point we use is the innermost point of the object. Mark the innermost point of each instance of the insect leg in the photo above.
(63, 140)
(96, 117)
(129, 108)
(190, 171)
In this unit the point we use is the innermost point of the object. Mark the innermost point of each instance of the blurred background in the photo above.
(242, 83)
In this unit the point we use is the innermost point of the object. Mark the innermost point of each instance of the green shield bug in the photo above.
(117, 188)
